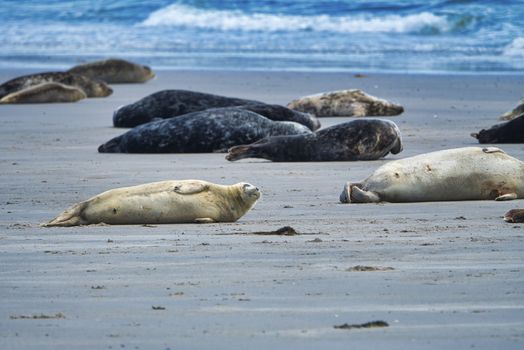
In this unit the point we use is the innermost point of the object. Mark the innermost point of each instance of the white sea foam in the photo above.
(515, 48)
(186, 16)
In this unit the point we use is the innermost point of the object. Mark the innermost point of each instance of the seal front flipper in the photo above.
(507, 197)
(204, 221)
(190, 188)
(492, 150)
(70, 217)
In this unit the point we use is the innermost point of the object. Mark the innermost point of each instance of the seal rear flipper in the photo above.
(111, 146)
(360, 196)
(353, 194)
(190, 188)
(70, 217)
(241, 152)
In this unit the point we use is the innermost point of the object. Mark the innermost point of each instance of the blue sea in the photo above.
(301, 35)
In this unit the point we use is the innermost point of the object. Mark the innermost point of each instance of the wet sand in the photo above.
(450, 274)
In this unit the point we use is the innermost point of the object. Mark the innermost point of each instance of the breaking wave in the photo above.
(178, 15)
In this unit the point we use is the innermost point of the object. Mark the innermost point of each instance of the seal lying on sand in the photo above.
(508, 132)
(114, 71)
(212, 130)
(165, 202)
(45, 93)
(91, 88)
(514, 215)
(366, 139)
(345, 103)
(469, 173)
(515, 112)
(171, 103)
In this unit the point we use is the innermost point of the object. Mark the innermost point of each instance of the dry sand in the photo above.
(458, 272)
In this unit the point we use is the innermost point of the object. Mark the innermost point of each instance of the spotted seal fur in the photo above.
(171, 103)
(365, 139)
(345, 103)
(91, 88)
(212, 130)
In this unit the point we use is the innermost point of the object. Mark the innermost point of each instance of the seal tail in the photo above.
(241, 152)
(111, 146)
(70, 217)
(353, 194)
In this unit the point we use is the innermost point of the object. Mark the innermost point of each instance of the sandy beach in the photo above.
(453, 272)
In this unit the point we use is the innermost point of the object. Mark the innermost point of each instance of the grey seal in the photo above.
(212, 130)
(345, 103)
(164, 202)
(114, 71)
(509, 132)
(45, 93)
(468, 173)
(171, 103)
(366, 139)
(92, 88)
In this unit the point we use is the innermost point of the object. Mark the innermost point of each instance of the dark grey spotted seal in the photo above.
(114, 71)
(212, 130)
(508, 132)
(171, 103)
(367, 139)
(92, 88)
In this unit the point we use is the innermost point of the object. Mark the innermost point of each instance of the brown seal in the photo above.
(45, 93)
(345, 103)
(114, 71)
(92, 88)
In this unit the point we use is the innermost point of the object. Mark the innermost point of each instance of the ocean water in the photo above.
(338, 35)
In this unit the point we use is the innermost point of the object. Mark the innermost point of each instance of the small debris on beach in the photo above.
(283, 231)
(373, 324)
(58, 315)
(363, 268)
